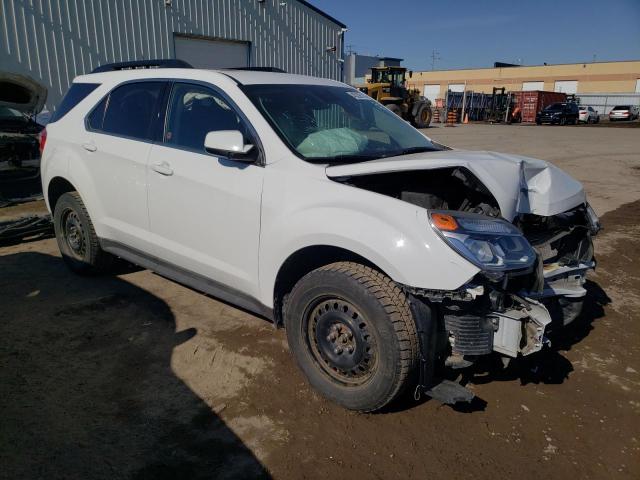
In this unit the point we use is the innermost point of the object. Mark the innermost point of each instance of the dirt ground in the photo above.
(133, 376)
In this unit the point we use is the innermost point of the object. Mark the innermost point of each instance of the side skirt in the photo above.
(188, 278)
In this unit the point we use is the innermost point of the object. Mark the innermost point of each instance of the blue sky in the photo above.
(469, 33)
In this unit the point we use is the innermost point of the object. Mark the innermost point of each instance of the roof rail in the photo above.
(142, 64)
(260, 69)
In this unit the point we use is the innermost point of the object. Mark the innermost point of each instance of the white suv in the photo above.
(386, 256)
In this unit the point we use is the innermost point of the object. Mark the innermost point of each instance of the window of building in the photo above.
(566, 86)
(530, 86)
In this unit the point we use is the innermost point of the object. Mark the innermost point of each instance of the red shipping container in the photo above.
(532, 101)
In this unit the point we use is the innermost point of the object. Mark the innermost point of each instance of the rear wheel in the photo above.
(423, 117)
(352, 333)
(76, 237)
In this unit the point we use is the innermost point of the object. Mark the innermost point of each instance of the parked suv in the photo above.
(387, 257)
(558, 113)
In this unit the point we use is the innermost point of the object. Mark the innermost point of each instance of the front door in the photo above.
(204, 209)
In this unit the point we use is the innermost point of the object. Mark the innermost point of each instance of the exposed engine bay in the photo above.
(507, 312)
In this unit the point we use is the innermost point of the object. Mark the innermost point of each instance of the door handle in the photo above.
(89, 146)
(162, 168)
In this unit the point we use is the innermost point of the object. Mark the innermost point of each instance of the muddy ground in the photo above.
(133, 376)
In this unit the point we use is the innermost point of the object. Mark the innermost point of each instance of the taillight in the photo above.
(43, 139)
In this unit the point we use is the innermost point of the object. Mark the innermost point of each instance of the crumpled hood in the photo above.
(519, 184)
(21, 93)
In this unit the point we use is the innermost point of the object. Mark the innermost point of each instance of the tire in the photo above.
(423, 117)
(76, 237)
(366, 315)
(394, 108)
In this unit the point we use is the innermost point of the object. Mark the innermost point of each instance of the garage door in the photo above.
(456, 87)
(431, 92)
(528, 86)
(566, 86)
(205, 53)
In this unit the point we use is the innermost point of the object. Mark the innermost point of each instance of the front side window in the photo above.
(194, 111)
(129, 110)
(326, 124)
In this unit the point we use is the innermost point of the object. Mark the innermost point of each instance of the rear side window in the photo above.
(74, 96)
(128, 111)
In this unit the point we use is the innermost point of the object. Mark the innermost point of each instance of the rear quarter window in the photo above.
(74, 96)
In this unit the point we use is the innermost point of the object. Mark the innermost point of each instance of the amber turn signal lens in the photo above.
(444, 222)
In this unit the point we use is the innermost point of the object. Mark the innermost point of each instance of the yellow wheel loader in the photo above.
(388, 86)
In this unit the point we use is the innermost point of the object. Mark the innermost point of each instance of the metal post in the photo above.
(464, 101)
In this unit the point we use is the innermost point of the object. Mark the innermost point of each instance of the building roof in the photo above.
(326, 15)
(525, 66)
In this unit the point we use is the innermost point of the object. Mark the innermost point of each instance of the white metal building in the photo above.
(54, 41)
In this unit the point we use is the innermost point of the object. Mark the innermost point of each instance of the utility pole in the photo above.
(435, 56)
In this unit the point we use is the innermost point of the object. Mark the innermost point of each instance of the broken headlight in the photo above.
(594, 221)
(489, 243)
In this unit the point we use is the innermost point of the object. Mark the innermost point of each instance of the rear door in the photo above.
(121, 129)
(204, 209)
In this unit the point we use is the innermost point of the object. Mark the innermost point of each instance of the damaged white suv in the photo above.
(386, 256)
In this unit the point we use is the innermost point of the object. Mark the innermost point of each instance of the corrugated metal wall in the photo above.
(53, 41)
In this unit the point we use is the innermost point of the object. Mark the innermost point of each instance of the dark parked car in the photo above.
(560, 113)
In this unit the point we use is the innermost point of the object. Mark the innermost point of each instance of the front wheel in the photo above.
(351, 331)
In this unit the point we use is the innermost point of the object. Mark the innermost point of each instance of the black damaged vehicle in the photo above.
(21, 98)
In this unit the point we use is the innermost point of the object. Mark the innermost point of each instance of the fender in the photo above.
(63, 162)
(392, 234)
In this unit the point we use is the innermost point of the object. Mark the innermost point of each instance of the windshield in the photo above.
(335, 124)
(555, 106)
(621, 107)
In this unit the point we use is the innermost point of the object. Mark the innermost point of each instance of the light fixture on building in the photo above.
(167, 3)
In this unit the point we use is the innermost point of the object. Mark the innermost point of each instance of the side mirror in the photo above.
(410, 73)
(229, 143)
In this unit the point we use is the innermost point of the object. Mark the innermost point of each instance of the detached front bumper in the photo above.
(483, 318)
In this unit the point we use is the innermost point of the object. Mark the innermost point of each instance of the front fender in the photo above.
(392, 234)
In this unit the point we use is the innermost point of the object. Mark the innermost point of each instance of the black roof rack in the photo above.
(259, 69)
(141, 64)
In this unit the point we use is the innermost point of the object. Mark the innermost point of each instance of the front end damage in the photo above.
(512, 313)
(527, 212)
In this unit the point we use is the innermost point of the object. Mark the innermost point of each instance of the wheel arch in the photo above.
(305, 260)
(57, 187)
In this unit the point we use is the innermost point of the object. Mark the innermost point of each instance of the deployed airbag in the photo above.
(329, 143)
